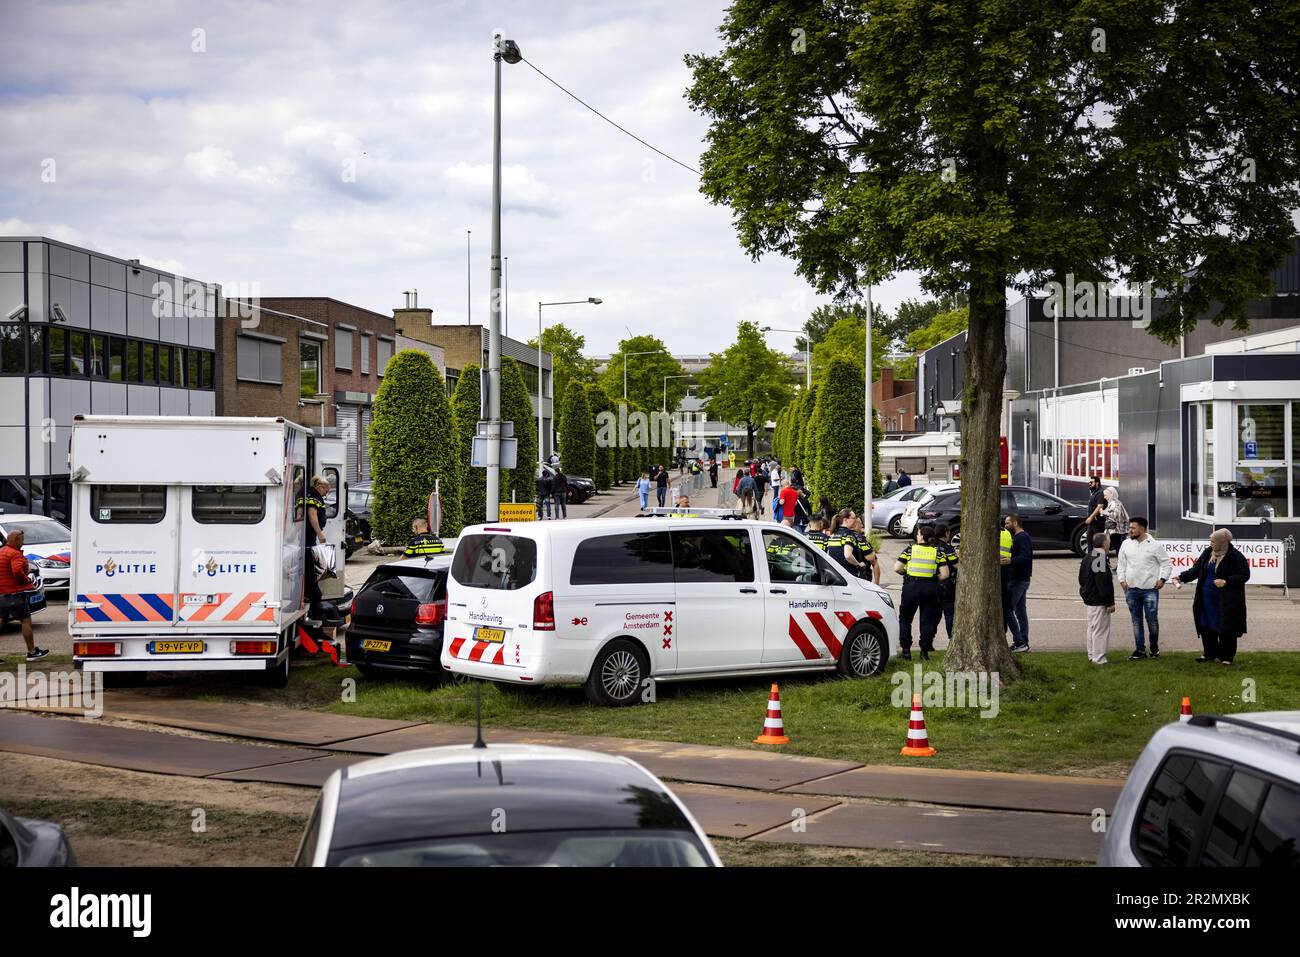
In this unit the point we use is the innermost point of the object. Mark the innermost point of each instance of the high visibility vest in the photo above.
(310, 501)
(922, 561)
(820, 539)
(424, 544)
(1004, 544)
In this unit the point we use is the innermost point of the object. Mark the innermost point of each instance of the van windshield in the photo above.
(499, 562)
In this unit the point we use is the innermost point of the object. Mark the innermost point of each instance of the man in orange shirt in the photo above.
(14, 586)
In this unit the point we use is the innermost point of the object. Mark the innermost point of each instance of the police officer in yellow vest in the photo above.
(923, 571)
(1004, 559)
(423, 541)
(310, 510)
(817, 532)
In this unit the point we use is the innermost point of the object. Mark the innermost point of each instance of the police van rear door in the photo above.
(228, 577)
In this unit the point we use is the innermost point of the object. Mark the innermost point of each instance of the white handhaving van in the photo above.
(188, 552)
(616, 604)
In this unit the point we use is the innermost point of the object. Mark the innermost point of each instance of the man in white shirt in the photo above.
(1144, 567)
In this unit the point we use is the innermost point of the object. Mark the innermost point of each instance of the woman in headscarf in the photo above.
(1116, 518)
(1219, 608)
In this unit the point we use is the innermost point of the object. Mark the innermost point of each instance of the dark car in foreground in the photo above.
(28, 843)
(1052, 522)
(398, 616)
(511, 805)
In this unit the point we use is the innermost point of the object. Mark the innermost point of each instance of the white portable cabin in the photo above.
(929, 457)
(188, 552)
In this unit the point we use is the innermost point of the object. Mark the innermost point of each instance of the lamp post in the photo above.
(666, 378)
(807, 352)
(507, 50)
(867, 422)
(570, 302)
(625, 358)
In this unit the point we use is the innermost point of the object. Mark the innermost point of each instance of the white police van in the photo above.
(612, 603)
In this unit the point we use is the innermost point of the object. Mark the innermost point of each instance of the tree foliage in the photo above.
(465, 403)
(748, 383)
(567, 359)
(606, 454)
(413, 447)
(516, 407)
(578, 438)
(645, 373)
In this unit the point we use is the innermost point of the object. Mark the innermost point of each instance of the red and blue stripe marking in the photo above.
(148, 606)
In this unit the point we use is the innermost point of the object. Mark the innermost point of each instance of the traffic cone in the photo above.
(1185, 712)
(773, 729)
(918, 745)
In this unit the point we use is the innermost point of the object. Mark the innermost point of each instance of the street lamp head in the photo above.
(764, 328)
(594, 301)
(508, 50)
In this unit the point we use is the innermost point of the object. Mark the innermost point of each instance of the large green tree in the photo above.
(578, 435)
(997, 145)
(517, 408)
(748, 384)
(598, 401)
(465, 403)
(848, 339)
(569, 364)
(413, 447)
(645, 373)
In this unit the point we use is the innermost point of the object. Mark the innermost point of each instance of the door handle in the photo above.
(778, 591)
(749, 591)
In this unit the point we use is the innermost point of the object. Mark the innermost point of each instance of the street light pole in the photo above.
(666, 378)
(807, 352)
(867, 420)
(504, 50)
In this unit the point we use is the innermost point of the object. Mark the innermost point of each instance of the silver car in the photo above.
(1219, 791)
(886, 512)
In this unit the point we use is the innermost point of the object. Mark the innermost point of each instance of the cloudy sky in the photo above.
(343, 149)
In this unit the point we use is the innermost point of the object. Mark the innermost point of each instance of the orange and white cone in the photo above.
(1185, 712)
(918, 745)
(773, 729)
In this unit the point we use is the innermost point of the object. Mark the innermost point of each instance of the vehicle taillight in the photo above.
(434, 613)
(928, 514)
(352, 612)
(97, 649)
(544, 612)
(253, 647)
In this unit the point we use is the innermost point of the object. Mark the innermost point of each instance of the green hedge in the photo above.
(578, 437)
(465, 404)
(517, 408)
(606, 454)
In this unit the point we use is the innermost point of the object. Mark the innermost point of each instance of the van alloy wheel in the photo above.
(621, 674)
(863, 654)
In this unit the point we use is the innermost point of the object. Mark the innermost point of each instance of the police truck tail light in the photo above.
(544, 612)
(97, 649)
(434, 613)
(253, 647)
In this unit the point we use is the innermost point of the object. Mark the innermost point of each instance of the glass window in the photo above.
(331, 475)
(165, 365)
(116, 359)
(128, 504)
(712, 555)
(36, 347)
(205, 370)
(407, 583)
(149, 361)
(1277, 834)
(343, 349)
(1211, 488)
(1260, 432)
(76, 353)
(58, 351)
(228, 504)
(1172, 816)
(1034, 501)
(498, 562)
(133, 371)
(790, 560)
(309, 376)
(98, 357)
(40, 531)
(365, 353)
(192, 369)
(385, 352)
(1230, 830)
(643, 558)
(1261, 475)
(12, 358)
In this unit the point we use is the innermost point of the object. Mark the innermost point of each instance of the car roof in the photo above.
(437, 792)
(1243, 737)
(438, 561)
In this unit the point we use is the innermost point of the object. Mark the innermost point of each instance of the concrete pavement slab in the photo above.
(88, 742)
(724, 812)
(949, 831)
(311, 773)
(987, 789)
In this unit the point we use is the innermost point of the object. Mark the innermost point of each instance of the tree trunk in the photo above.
(980, 642)
(749, 439)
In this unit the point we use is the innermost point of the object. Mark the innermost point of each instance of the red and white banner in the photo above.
(1267, 558)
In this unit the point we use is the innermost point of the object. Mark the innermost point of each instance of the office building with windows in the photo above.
(86, 333)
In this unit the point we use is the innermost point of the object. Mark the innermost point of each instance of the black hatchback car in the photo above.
(398, 617)
(1052, 523)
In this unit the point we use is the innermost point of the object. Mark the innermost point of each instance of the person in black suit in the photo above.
(1219, 608)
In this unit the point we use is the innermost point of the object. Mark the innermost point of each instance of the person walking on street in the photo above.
(643, 490)
(904, 480)
(15, 586)
(661, 486)
(1116, 519)
(1020, 571)
(1096, 519)
(789, 501)
(560, 493)
(922, 573)
(1219, 606)
(1004, 569)
(760, 483)
(544, 487)
(1144, 567)
(713, 472)
(890, 484)
(1097, 589)
(947, 586)
(746, 490)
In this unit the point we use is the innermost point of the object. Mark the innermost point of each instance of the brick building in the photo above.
(895, 402)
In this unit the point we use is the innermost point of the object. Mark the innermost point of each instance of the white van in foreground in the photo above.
(613, 603)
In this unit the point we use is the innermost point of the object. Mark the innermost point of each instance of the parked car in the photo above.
(356, 532)
(47, 545)
(28, 843)
(398, 617)
(887, 512)
(35, 598)
(1218, 791)
(511, 805)
(1052, 523)
(580, 487)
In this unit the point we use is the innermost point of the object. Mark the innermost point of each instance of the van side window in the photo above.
(331, 475)
(128, 504)
(789, 560)
(712, 555)
(228, 504)
(1277, 833)
(1172, 818)
(642, 558)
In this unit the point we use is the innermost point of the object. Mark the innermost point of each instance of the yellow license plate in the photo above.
(489, 634)
(176, 648)
(373, 644)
